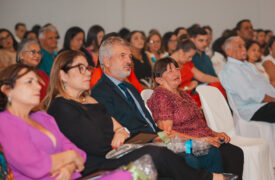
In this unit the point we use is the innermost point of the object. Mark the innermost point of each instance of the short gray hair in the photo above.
(228, 43)
(43, 30)
(106, 48)
(23, 46)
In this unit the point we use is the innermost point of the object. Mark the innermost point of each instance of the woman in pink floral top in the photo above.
(175, 111)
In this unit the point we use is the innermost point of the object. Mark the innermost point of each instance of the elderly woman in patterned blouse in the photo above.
(175, 111)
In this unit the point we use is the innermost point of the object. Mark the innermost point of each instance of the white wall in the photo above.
(164, 15)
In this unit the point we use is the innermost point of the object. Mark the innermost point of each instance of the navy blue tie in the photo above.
(128, 95)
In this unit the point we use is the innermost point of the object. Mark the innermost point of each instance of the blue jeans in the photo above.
(211, 162)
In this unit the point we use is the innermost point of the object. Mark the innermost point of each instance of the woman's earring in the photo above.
(64, 85)
(9, 101)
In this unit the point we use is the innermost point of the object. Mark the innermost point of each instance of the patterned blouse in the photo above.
(184, 111)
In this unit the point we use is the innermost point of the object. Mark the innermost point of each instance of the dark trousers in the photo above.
(233, 159)
(167, 163)
(211, 162)
(266, 113)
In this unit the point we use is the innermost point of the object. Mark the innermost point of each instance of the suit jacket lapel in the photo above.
(116, 90)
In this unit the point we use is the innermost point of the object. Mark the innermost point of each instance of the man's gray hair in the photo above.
(228, 43)
(42, 31)
(106, 48)
(23, 46)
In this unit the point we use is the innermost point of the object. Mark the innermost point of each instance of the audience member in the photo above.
(30, 35)
(268, 35)
(142, 64)
(170, 42)
(253, 96)
(269, 60)
(253, 57)
(48, 41)
(35, 148)
(20, 29)
(29, 53)
(209, 32)
(190, 75)
(36, 28)
(244, 29)
(115, 59)
(96, 131)
(94, 38)
(201, 61)
(154, 47)
(219, 57)
(74, 40)
(8, 47)
(176, 112)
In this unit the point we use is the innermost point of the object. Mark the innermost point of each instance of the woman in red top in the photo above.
(189, 73)
(29, 53)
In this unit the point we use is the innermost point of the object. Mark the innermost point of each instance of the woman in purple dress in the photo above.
(34, 146)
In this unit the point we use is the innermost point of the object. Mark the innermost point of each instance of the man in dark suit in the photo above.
(121, 99)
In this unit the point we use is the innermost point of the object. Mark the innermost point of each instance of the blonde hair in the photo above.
(56, 86)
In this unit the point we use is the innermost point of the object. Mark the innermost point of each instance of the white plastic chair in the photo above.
(257, 161)
(254, 128)
(145, 95)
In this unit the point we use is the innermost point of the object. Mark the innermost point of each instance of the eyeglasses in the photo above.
(153, 42)
(5, 38)
(33, 52)
(81, 67)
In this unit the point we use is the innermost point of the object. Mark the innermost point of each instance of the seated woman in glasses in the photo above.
(175, 111)
(88, 124)
(29, 53)
(33, 145)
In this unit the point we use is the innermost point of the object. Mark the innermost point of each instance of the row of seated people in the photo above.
(94, 124)
(190, 44)
(146, 52)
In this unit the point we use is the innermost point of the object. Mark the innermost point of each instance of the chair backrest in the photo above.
(145, 95)
(216, 110)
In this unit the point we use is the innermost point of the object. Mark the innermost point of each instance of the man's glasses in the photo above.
(81, 67)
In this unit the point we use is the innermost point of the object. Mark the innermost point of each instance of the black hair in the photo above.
(186, 45)
(194, 32)
(207, 27)
(13, 39)
(36, 29)
(259, 30)
(161, 66)
(70, 34)
(92, 36)
(239, 24)
(19, 24)
(111, 34)
(178, 30)
(133, 32)
(249, 43)
(27, 33)
(166, 37)
(218, 43)
(8, 77)
(267, 31)
(124, 33)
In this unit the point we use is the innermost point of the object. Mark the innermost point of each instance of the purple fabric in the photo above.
(117, 175)
(28, 150)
